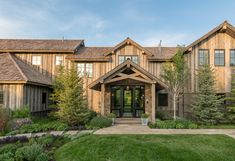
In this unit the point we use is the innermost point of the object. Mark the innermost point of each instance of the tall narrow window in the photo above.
(44, 98)
(58, 60)
(232, 57)
(203, 56)
(81, 68)
(36, 60)
(219, 57)
(89, 69)
(121, 59)
(162, 99)
(1, 97)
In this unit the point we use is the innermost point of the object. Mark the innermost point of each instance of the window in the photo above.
(36, 60)
(1, 97)
(85, 69)
(133, 58)
(58, 60)
(232, 57)
(44, 98)
(162, 99)
(203, 56)
(219, 57)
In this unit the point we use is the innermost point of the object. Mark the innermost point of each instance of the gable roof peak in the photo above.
(128, 41)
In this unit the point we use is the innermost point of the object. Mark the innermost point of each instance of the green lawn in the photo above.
(148, 148)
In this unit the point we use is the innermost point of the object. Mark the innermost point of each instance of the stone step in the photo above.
(127, 121)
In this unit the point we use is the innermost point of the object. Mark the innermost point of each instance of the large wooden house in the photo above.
(123, 79)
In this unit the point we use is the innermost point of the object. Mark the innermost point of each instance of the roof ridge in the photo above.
(17, 66)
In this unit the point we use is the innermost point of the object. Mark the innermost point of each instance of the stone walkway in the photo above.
(139, 129)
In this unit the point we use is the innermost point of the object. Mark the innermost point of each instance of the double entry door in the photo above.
(127, 101)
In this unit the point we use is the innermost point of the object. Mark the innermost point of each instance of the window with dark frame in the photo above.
(133, 58)
(85, 69)
(203, 55)
(232, 57)
(219, 57)
(44, 98)
(1, 97)
(162, 99)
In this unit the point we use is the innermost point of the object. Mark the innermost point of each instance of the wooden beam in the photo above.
(102, 99)
(153, 102)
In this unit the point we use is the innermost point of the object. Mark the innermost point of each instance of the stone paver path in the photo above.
(139, 129)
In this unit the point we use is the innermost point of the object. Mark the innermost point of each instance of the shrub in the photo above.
(42, 157)
(9, 148)
(7, 156)
(111, 115)
(45, 140)
(22, 112)
(28, 153)
(4, 118)
(100, 122)
(180, 126)
(144, 115)
(192, 126)
(174, 124)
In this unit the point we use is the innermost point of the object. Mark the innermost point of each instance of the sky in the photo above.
(108, 22)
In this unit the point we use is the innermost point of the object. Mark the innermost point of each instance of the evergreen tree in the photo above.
(231, 99)
(206, 104)
(69, 97)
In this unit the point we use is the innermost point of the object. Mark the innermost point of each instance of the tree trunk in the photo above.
(174, 105)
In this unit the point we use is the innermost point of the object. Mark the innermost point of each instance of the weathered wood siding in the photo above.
(33, 97)
(47, 66)
(222, 73)
(12, 95)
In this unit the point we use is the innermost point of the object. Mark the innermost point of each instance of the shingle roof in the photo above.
(162, 53)
(97, 53)
(90, 53)
(13, 69)
(39, 45)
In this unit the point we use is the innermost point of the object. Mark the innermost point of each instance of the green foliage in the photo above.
(46, 141)
(112, 115)
(8, 156)
(206, 104)
(41, 127)
(8, 148)
(29, 153)
(100, 122)
(42, 157)
(179, 123)
(69, 97)
(175, 75)
(144, 115)
(4, 118)
(231, 99)
(22, 112)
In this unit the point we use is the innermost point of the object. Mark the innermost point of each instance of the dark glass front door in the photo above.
(127, 101)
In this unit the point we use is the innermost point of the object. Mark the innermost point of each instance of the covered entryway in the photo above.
(128, 91)
(128, 100)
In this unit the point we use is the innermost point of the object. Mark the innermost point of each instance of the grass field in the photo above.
(148, 148)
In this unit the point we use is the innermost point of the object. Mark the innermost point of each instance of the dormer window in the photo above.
(133, 58)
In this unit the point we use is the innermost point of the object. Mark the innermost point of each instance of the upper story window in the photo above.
(133, 58)
(1, 97)
(232, 57)
(219, 57)
(36, 60)
(85, 69)
(58, 60)
(203, 56)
